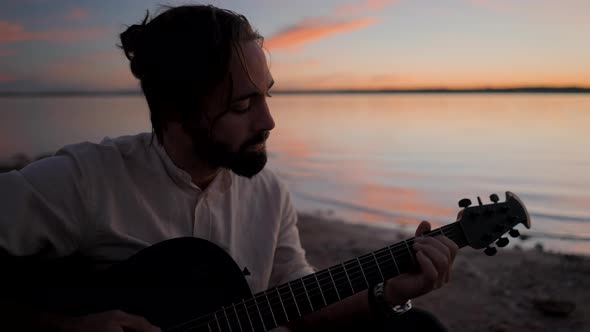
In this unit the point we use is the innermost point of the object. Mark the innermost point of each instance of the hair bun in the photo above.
(130, 40)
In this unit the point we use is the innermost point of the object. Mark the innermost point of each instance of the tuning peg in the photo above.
(490, 251)
(465, 202)
(479, 201)
(514, 233)
(494, 198)
(502, 242)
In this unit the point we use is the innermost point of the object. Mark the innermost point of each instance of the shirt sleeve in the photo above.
(42, 208)
(289, 260)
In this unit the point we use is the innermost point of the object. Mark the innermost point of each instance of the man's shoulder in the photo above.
(121, 145)
(109, 152)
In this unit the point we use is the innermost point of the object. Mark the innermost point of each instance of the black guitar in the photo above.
(189, 284)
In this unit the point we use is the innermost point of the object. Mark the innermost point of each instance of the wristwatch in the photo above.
(382, 307)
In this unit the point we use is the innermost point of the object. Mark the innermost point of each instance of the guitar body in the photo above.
(168, 283)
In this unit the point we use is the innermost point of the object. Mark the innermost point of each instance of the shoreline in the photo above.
(516, 289)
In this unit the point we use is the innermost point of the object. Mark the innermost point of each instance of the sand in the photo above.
(515, 290)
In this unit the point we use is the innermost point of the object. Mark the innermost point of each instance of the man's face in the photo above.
(237, 139)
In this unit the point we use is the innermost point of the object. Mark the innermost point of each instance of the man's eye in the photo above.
(242, 106)
(241, 110)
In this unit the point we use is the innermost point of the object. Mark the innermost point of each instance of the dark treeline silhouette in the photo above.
(115, 93)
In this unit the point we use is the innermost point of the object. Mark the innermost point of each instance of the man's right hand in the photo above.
(108, 321)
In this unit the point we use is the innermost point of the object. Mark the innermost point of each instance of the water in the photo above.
(382, 159)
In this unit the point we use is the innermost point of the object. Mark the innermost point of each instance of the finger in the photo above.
(136, 323)
(437, 244)
(451, 245)
(438, 259)
(423, 227)
(428, 270)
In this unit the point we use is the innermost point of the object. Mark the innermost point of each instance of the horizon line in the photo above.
(129, 92)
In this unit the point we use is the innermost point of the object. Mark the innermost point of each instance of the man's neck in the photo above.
(201, 174)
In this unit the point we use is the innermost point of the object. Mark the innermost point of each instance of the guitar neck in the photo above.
(289, 301)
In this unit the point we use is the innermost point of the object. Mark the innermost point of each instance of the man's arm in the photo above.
(41, 214)
(435, 257)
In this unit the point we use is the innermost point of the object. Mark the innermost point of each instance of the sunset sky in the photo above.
(319, 44)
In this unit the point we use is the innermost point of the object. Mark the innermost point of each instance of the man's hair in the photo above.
(180, 55)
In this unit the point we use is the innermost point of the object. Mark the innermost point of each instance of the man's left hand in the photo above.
(435, 256)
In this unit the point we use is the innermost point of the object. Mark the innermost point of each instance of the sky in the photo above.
(48, 45)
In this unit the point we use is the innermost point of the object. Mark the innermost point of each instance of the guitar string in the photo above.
(351, 276)
(342, 276)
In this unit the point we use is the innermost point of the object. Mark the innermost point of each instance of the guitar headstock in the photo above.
(485, 224)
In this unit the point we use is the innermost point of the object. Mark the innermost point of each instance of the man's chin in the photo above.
(250, 166)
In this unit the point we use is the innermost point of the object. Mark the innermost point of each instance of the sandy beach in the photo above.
(515, 290)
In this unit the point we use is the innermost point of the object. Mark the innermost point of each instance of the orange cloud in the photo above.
(11, 32)
(364, 6)
(313, 29)
(77, 14)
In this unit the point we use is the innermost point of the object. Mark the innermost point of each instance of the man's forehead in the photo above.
(251, 69)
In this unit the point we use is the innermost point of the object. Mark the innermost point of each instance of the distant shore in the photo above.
(515, 290)
(123, 93)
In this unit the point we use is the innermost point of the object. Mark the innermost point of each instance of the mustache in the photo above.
(257, 139)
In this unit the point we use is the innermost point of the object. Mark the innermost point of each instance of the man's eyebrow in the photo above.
(253, 94)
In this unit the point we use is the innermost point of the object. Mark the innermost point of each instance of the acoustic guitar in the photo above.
(190, 284)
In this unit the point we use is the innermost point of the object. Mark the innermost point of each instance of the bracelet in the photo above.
(382, 307)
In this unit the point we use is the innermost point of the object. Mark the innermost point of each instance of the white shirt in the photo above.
(110, 200)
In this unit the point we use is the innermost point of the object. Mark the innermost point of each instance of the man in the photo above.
(205, 78)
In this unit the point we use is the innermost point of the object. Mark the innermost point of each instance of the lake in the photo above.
(383, 159)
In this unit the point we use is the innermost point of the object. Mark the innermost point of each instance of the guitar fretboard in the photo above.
(289, 301)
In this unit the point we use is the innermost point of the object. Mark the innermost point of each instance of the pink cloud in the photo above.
(313, 29)
(363, 6)
(77, 14)
(11, 32)
(6, 78)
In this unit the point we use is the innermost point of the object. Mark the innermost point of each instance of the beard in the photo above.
(244, 162)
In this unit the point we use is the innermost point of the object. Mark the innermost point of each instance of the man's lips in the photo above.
(258, 146)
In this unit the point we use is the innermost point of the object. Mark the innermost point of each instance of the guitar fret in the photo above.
(378, 267)
(260, 314)
(226, 318)
(294, 299)
(410, 251)
(394, 260)
(320, 287)
(362, 271)
(248, 314)
(270, 307)
(217, 321)
(305, 291)
(282, 305)
(334, 283)
(237, 317)
(347, 277)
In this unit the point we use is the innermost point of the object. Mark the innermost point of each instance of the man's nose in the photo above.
(265, 122)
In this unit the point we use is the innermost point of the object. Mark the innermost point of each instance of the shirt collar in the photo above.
(220, 184)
